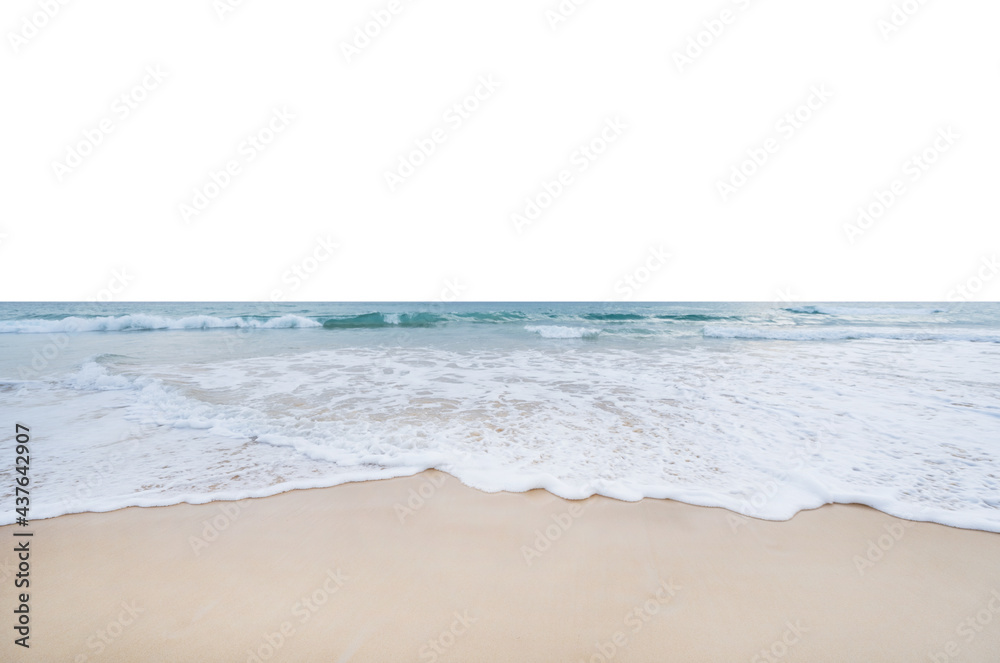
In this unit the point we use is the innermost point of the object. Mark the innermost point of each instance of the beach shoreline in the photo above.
(425, 568)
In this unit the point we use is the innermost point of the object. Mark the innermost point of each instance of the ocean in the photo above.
(764, 409)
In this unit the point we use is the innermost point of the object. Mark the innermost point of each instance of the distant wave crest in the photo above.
(861, 310)
(811, 333)
(376, 320)
(142, 322)
(556, 331)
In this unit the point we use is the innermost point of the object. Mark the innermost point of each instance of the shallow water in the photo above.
(765, 409)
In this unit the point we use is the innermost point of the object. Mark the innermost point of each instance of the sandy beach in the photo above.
(426, 569)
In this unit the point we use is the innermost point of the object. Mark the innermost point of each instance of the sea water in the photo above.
(764, 409)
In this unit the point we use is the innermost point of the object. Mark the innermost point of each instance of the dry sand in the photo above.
(375, 572)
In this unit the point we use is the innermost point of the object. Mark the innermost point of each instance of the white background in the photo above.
(781, 236)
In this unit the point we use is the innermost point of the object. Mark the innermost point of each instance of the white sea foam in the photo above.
(139, 321)
(558, 331)
(912, 429)
(93, 376)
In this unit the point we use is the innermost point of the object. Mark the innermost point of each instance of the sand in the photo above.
(426, 569)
